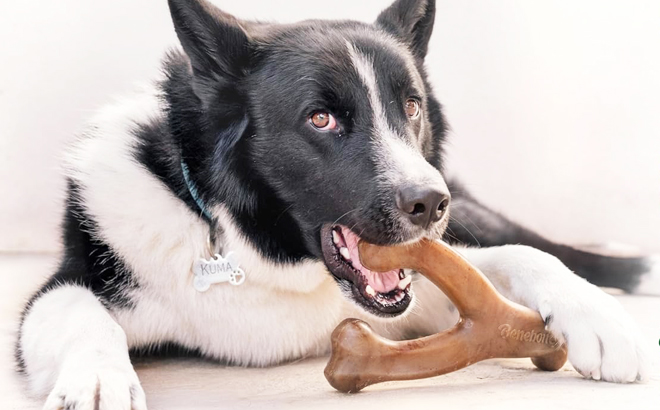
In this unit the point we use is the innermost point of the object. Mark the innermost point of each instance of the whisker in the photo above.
(283, 212)
(464, 227)
(451, 234)
(472, 222)
(353, 210)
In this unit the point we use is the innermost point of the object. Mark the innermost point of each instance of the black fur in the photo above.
(87, 261)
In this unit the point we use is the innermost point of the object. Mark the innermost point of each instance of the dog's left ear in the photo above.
(411, 21)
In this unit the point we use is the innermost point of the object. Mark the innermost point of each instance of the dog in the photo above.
(219, 210)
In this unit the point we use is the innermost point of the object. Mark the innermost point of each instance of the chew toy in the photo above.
(490, 326)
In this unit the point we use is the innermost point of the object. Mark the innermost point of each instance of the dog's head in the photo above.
(318, 134)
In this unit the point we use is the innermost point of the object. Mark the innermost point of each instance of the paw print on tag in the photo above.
(218, 269)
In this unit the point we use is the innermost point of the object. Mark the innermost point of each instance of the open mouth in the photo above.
(381, 293)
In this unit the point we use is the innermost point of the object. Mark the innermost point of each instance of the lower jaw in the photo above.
(382, 304)
(382, 310)
(378, 304)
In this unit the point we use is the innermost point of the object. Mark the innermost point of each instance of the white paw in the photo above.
(604, 343)
(110, 386)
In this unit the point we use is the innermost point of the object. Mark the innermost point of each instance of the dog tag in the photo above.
(217, 270)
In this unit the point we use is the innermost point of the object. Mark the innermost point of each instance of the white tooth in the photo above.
(399, 296)
(370, 291)
(335, 237)
(403, 283)
(344, 252)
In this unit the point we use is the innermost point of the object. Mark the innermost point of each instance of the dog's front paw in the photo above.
(603, 341)
(109, 386)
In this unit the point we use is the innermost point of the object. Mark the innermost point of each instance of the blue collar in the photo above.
(192, 188)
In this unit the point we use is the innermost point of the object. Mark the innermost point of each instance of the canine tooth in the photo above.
(370, 291)
(399, 297)
(403, 283)
(345, 253)
(335, 237)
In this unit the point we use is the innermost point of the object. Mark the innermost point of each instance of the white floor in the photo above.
(195, 384)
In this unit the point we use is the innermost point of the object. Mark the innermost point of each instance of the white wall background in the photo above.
(554, 105)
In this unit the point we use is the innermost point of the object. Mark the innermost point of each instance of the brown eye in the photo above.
(412, 108)
(323, 121)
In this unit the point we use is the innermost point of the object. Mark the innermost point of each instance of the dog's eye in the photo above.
(412, 108)
(323, 121)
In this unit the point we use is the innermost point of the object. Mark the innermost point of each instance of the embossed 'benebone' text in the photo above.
(506, 331)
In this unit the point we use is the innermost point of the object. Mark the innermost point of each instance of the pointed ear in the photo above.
(214, 40)
(411, 21)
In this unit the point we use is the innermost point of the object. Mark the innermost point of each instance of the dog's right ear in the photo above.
(412, 21)
(214, 41)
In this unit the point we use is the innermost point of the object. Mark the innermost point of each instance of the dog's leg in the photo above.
(70, 345)
(474, 224)
(603, 340)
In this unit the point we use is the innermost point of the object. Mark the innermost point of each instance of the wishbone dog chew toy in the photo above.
(490, 326)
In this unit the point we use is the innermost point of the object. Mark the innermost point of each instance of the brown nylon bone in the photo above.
(489, 326)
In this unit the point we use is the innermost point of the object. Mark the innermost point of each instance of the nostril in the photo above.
(418, 209)
(422, 205)
(443, 205)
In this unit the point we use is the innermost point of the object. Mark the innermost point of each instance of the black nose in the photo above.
(423, 205)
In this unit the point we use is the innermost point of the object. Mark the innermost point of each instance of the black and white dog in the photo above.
(278, 147)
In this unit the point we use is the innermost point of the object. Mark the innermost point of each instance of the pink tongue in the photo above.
(381, 282)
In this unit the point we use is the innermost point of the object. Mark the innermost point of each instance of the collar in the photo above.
(194, 193)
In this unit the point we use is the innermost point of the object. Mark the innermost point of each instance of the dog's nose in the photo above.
(423, 205)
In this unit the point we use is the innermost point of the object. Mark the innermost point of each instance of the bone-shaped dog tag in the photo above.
(217, 270)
